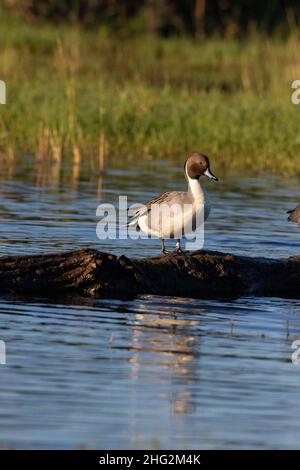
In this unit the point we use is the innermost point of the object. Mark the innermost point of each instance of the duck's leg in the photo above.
(178, 249)
(163, 250)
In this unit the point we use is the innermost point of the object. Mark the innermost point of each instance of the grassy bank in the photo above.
(83, 95)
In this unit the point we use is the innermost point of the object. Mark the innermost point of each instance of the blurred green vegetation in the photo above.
(87, 94)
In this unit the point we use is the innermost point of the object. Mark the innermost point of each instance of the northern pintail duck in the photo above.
(294, 215)
(183, 206)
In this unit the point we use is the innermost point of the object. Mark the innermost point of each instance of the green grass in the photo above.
(71, 91)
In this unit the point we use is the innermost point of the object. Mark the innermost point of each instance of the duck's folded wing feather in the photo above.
(165, 197)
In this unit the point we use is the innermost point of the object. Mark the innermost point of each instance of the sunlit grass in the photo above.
(83, 94)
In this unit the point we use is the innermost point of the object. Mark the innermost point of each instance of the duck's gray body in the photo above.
(175, 214)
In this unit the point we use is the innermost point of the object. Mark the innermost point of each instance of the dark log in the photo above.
(202, 274)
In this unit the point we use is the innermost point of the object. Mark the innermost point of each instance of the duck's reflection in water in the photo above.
(166, 346)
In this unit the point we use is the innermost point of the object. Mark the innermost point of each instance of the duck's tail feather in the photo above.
(134, 223)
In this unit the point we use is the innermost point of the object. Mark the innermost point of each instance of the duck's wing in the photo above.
(146, 208)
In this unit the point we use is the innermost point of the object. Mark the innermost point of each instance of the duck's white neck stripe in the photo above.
(195, 188)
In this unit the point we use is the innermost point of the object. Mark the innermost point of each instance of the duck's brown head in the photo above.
(197, 165)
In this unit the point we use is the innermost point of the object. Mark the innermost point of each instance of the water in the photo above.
(155, 372)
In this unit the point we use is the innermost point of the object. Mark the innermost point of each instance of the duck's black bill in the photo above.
(210, 175)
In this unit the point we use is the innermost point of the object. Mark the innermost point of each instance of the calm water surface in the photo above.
(155, 372)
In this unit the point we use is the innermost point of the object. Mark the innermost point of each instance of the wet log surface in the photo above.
(203, 274)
